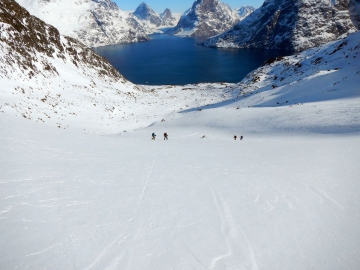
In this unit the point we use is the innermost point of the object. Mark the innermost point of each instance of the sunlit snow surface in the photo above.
(272, 201)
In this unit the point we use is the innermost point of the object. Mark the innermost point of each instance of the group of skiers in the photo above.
(153, 136)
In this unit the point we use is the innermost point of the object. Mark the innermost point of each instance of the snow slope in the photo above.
(329, 72)
(79, 201)
(95, 23)
(54, 79)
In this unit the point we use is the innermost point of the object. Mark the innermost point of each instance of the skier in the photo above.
(153, 135)
(165, 136)
(241, 137)
(235, 137)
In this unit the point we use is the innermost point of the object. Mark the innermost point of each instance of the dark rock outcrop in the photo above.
(32, 45)
(354, 9)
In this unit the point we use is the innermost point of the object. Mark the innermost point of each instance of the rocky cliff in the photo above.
(288, 25)
(146, 13)
(205, 18)
(354, 9)
(47, 77)
(167, 18)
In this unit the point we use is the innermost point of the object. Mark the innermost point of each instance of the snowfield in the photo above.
(82, 185)
(275, 200)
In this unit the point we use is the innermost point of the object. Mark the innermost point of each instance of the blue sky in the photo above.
(179, 5)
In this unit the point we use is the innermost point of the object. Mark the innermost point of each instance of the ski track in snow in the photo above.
(104, 253)
(144, 190)
(321, 194)
(233, 240)
(194, 255)
(44, 250)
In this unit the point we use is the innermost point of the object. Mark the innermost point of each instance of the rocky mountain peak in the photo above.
(106, 4)
(167, 18)
(143, 8)
(205, 18)
(245, 11)
(205, 5)
(144, 12)
(166, 14)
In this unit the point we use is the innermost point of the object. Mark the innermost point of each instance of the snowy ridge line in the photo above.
(95, 23)
(206, 18)
(152, 21)
(319, 74)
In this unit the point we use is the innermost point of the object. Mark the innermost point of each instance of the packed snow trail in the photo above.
(80, 201)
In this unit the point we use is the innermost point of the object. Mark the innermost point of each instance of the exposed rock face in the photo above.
(288, 25)
(205, 18)
(55, 79)
(167, 19)
(245, 11)
(34, 43)
(94, 22)
(151, 20)
(144, 12)
(354, 9)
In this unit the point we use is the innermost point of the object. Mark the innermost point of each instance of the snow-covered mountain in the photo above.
(146, 13)
(95, 23)
(55, 79)
(205, 18)
(168, 19)
(151, 21)
(244, 11)
(288, 25)
(324, 73)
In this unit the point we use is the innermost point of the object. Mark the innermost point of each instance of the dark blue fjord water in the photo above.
(179, 60)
